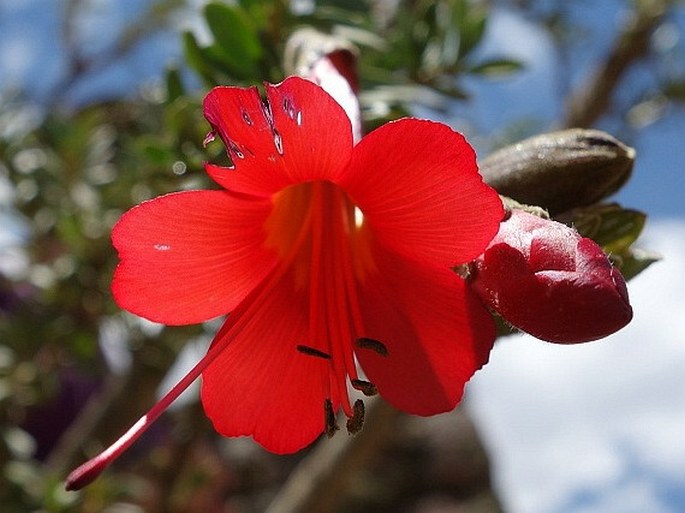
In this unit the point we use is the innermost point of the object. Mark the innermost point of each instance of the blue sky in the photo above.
(657, 186)
(583, 429)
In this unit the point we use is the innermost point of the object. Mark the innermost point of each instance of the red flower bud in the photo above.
(545, 279)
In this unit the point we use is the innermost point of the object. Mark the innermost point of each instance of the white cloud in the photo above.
(563, 422)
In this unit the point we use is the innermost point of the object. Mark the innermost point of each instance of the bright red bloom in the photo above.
(545, 279)
(325, 254)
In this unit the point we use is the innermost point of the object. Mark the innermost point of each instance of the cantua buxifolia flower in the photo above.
(325, 255)
(545, 279)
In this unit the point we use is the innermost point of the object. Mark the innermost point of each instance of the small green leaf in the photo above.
(616, 229)
(495, 68)
(155, 151)
(611, 226)
(174, 85)
(634, 262)
(472, 30)
(197, 58)
(675, 90)
(237, 41)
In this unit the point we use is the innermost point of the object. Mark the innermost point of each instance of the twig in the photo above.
(96, 409)
(316, 484)
(592, 99)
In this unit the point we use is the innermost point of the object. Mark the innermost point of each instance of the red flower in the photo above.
(544, 278)
(325, 254)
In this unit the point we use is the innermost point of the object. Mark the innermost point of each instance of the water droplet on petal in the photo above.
(278, 141)
(289, 108)
(246, 118)
(162, 247)
(299, 118)
(233, 147)
(266, 107)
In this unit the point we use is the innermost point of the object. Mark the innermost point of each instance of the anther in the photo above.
(374, 345)
(310, 351)
(329, 416)
(356, 421)
(365, 387)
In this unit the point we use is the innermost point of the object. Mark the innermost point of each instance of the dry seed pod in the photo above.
(560, 170)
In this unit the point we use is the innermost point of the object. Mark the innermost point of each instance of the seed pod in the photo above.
(560, 170)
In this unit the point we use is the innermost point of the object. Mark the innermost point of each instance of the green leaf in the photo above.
(471, 23)
(675, 90)
(634, 262)
(157, 151)
(174, 85)
(198, 59)
(616, 229)
(495, 68)
(236, 38)
(611, 226)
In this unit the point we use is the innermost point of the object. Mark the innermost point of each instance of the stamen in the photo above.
(329, 415)
(365, 387)
(356, 421)
(91, 469)
(310, 351)
(374, 345)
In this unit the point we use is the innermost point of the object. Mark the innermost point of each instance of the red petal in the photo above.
(304, 135)
(261, 385)
(436, 332)
(190, 256)
(418, 187)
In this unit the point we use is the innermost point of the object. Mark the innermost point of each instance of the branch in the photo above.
(319, 480)
(592, 99)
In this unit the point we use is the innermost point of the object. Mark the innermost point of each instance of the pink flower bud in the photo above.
(545, 279)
